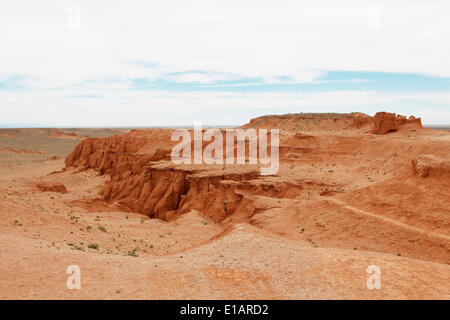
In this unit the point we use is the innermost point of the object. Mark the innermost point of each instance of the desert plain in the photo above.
(352, 191)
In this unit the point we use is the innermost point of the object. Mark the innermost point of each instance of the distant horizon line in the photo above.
(20, 126)
(28, 126)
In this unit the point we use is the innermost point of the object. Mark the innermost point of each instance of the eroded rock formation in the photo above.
(142, 179)
(385, 122)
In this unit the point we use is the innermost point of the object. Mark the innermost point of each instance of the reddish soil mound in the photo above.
(120, 153)
(21, 151)
(302, 136)
(381, 123)
(62, 135)
(429, 165)
(55, 158)
(8, 135)
(315, 122)
(51, 186)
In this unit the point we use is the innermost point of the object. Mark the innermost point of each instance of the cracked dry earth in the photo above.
(352, 191)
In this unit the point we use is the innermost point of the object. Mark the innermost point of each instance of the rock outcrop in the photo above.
(118, 154)
(381, 123)
(384, 122)
(313, 121)
(142, 180)
(164, 192)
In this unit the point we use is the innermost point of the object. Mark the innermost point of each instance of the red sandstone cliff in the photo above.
(385, 122)
(162, 190)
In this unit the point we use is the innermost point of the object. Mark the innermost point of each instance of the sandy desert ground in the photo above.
(352, 191)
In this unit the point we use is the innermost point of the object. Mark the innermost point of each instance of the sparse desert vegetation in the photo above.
(352, 191)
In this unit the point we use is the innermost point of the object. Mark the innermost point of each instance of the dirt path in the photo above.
(392, 221)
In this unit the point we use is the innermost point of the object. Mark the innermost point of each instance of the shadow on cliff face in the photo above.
(144, 180)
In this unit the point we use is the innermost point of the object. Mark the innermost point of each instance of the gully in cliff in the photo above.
(213, 152)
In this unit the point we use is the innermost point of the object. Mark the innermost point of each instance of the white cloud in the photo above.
(197, 77)
(204, 41)
(343, 81)
(249, 38)
(435, 117)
